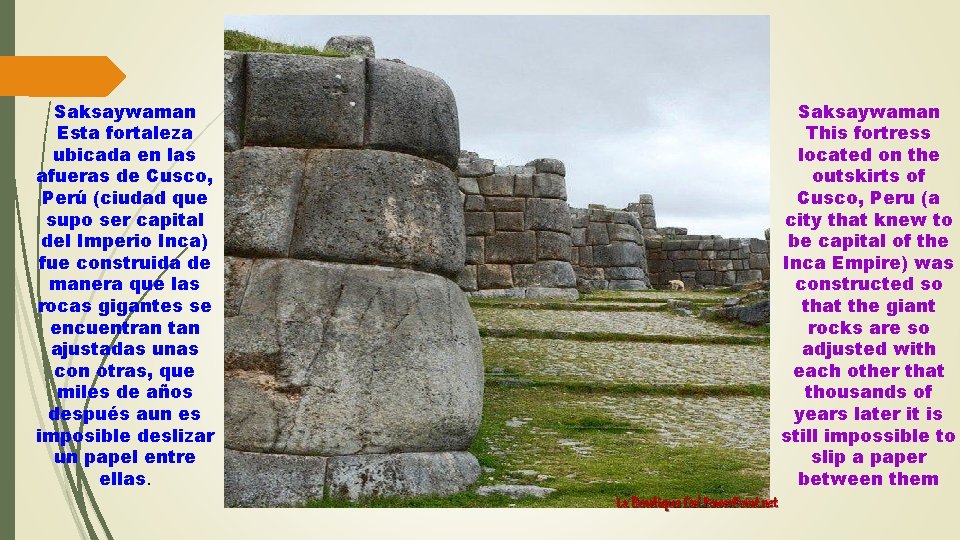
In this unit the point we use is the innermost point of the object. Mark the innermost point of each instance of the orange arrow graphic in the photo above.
(58, 76)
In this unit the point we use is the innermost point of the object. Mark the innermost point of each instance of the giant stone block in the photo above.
(376, 207)
(261, 189)
(548, 215)
(407, 474)
(413, 111)
(304, 101)
(511, 247)
(367, 360)
(544, 274)
(234, 87)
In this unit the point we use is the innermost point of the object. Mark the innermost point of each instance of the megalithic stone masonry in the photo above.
(352, 360)
(353, 223)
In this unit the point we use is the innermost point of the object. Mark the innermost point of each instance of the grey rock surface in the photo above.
(376, 207)
(548, 165)
(509, 221)
(527, 292)
(261, 189)
(544, 274)
(256, 480)
(498, 184)
(549, 186)
(474, 166)
(551, 292)
(511, 247)
(625, 272)
(627, 285)
(597, 234)
(304, 101)
(412, 111)
(494, 276)
(236, 271)
(475, 252)
(479, 223)
(404, 474)
(548, 215)
(474, 203)
(505, 204)
(553, 246)
(754, 314)
(618, 254)
(352, 45)
(233, 99)
(332, 359)
(515, 491)
(618, 232)
(467, 279)
(523, 185)
(512, 170)
(469, 186)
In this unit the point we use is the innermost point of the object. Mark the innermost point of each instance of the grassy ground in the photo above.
(598, 415)
(588, 456)
(234, 40)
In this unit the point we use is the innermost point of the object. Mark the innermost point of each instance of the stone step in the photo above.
(556, 305)
(651, 323)
(729, 422)
(626, 363)
(661, 295)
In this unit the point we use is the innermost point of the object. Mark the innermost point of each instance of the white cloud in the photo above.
(677, 107)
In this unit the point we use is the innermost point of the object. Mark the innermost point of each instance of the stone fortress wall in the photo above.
(352, 221)
(699, 260)
(352, 360)
(520, 244)
(707, 261)
(610, 253)
(518, 228)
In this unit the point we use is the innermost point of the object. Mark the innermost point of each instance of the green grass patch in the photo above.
(638, 389)
(234, 40)
(660, 300)
(625, 458)
(598, 423)
(615, 336)
(655, 294)
(568, 306)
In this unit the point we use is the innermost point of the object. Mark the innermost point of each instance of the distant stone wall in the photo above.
(520, 245)
(517, 226)
(608, 250)
(646, 213)
(352, 362)
(707, 261)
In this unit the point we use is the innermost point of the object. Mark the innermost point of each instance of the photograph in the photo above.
(496, 261)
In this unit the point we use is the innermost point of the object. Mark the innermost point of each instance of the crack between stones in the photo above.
(298, 206)
(364, 143)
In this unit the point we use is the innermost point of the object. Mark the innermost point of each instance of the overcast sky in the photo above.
(677, 107)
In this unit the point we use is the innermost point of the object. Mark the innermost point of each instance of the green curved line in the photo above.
(22, 338)
(48, 373)
(103, 361)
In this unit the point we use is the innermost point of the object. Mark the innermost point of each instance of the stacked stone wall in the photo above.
(608, 250)
(517, 223)
(646, 213)
(707, 261)
(352, 360)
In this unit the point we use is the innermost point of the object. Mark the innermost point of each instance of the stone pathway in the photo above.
(586, 418)
(646, 363)
(649, 323)
(654, 294)
(733, 422)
